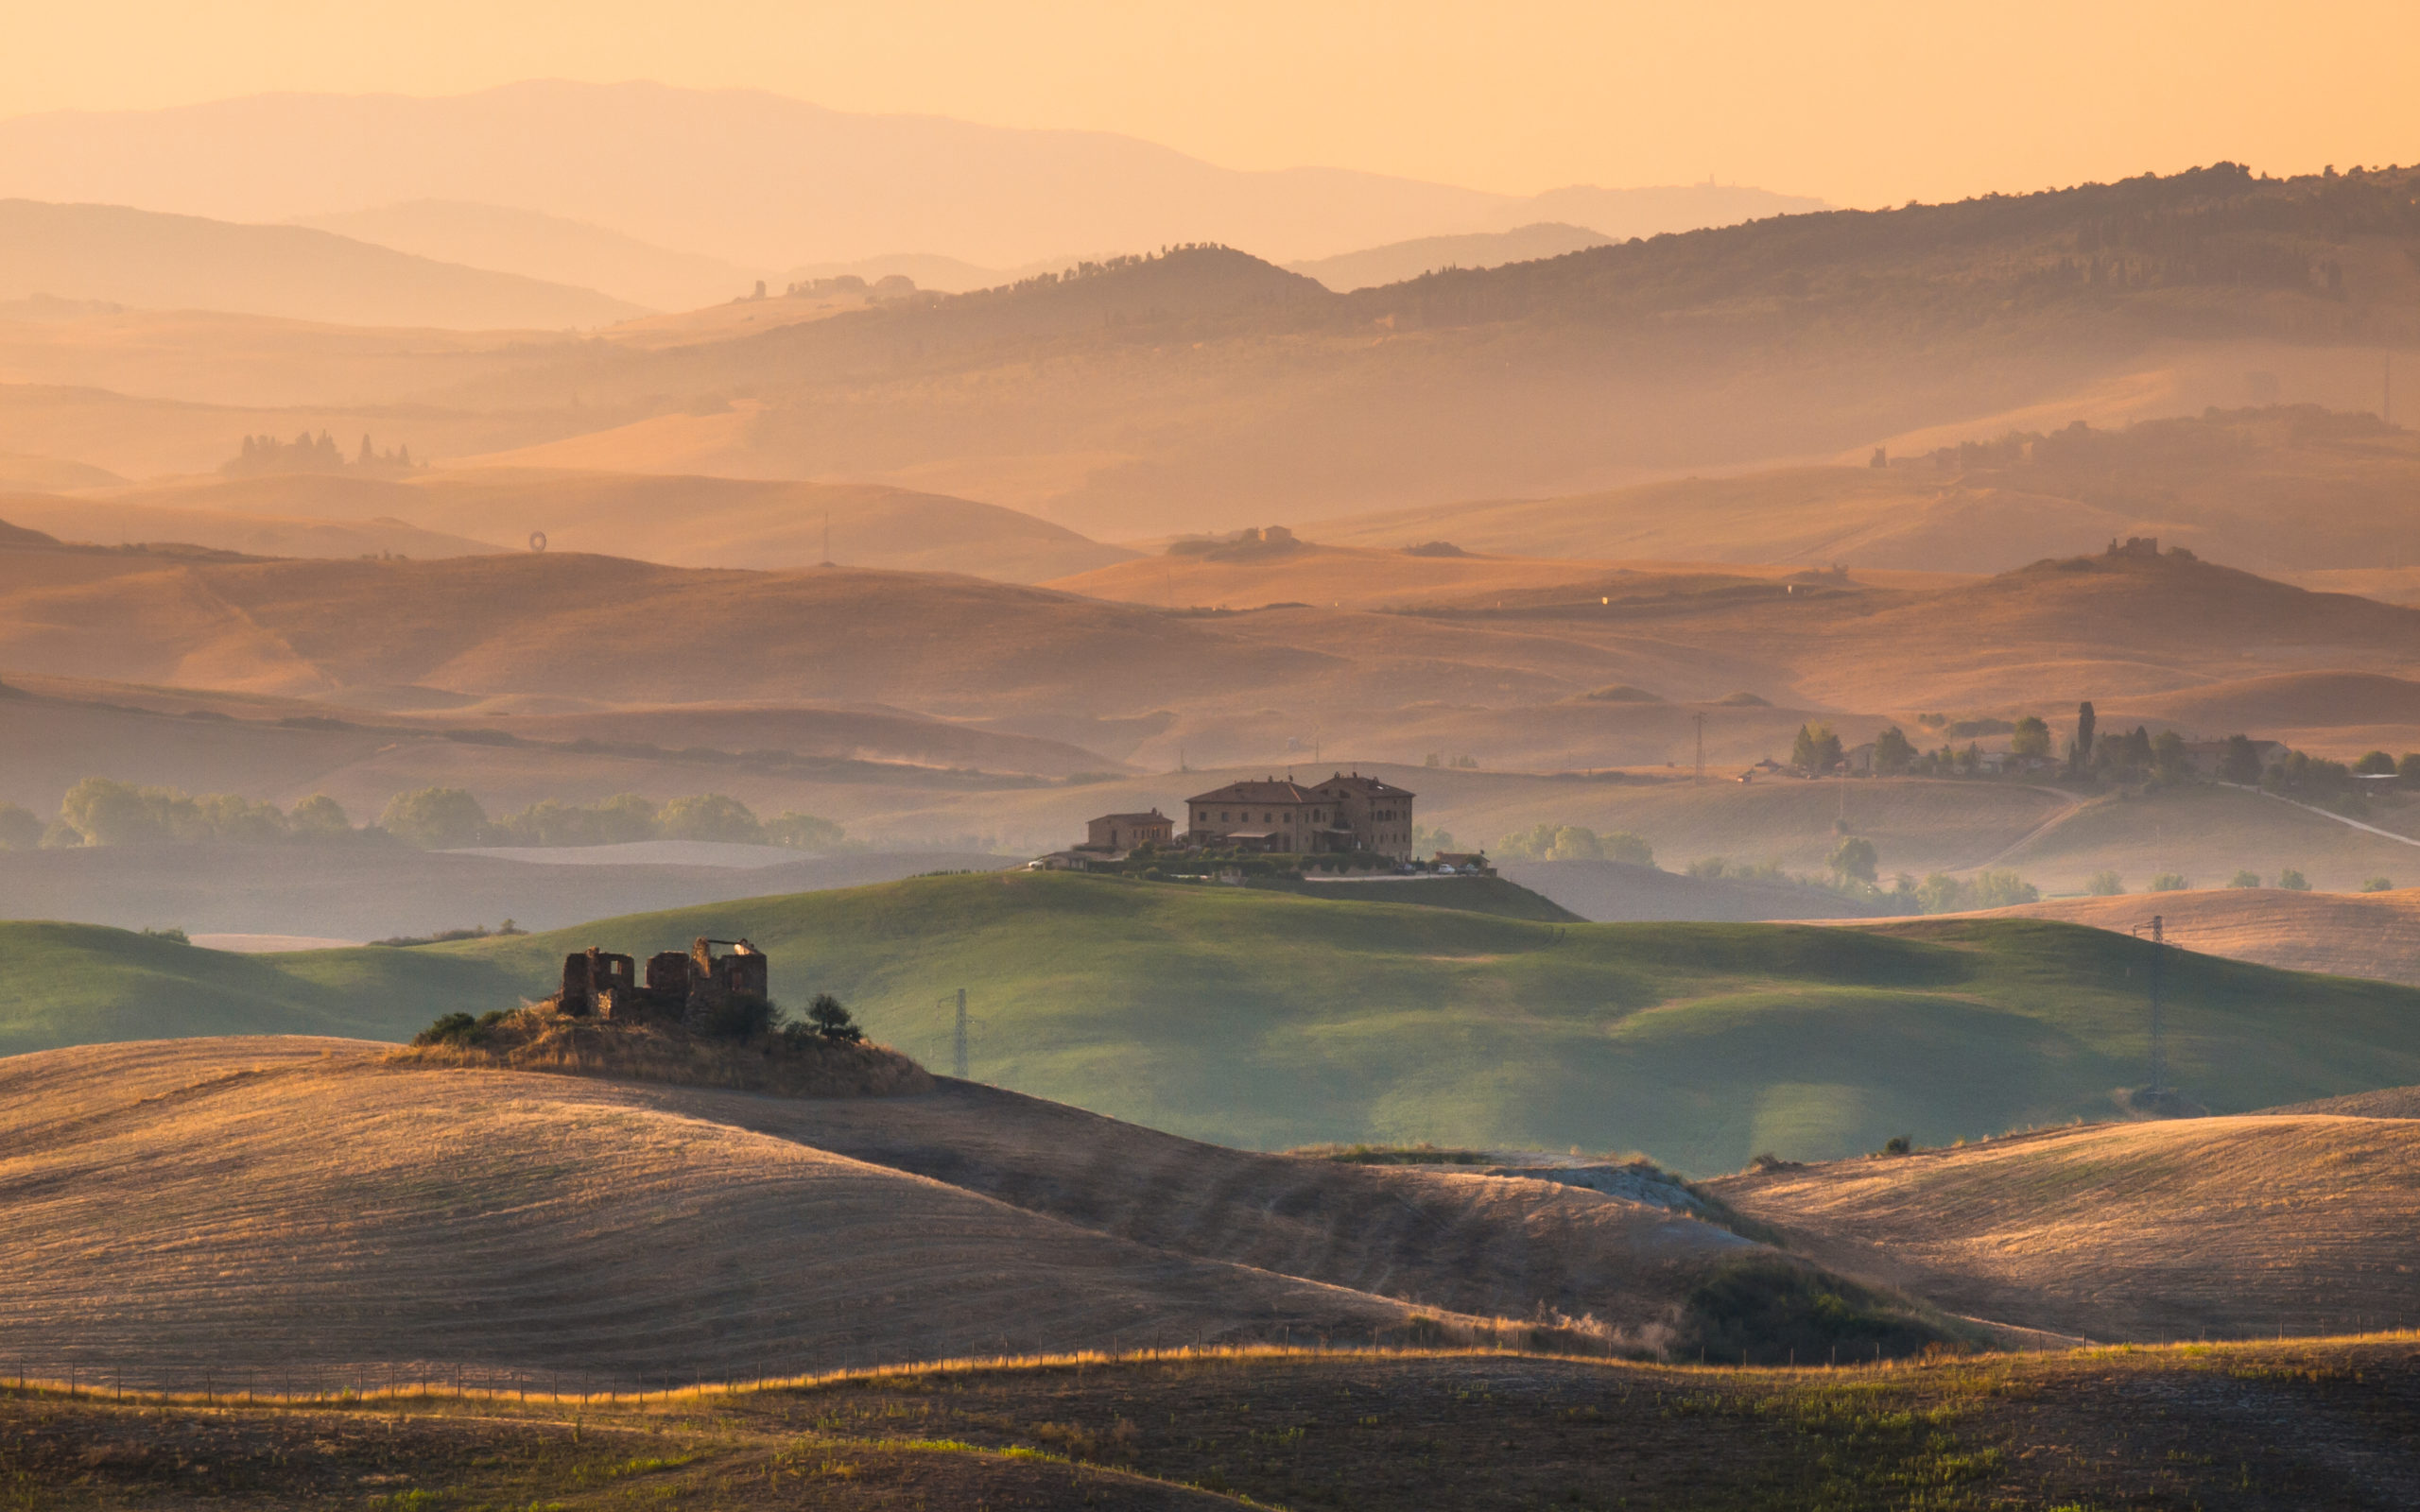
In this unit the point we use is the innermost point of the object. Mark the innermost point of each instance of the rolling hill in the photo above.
(2320, 1419)
(111, 523)
(2226, 1227)
(767, 181)
(685, 521)
(1267, 1020)
(544, 247)
(520, 1221)
(2369, 935)
(87, 252)
(1518, 667)
(1402, 261)
(1203, 388)
(2275, 488)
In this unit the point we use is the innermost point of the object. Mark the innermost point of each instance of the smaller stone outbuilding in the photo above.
(1121, 832)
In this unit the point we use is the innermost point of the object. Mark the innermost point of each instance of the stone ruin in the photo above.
(678, 987)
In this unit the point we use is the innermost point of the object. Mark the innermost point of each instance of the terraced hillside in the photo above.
(1272, 1020)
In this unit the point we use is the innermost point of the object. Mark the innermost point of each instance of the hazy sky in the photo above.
(1864, 103)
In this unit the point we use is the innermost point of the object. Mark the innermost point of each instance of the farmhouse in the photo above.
(1119, 833)
(677, 986)
(1348, 811)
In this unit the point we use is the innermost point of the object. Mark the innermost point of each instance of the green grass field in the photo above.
(1266, 1019)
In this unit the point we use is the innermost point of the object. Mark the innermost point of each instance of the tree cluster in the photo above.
(451, 818)
(1575, 842)
(103, 811)
(262, 454)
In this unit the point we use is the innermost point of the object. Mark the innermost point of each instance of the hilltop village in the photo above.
(1362, 820)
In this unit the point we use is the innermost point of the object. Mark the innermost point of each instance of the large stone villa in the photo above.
(1347, 813)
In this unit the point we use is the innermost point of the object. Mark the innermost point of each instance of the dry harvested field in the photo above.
(2112, 630)
(2373, 934)
(2237, 1428)
(2207, 834)
(1904, 519)
(2192, 1227)
(1377, 577)
(267, 1204)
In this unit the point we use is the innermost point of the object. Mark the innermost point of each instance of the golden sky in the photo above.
(1864, 102)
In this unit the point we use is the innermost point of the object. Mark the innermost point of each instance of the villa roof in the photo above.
(1268, 790)
(1375, 787)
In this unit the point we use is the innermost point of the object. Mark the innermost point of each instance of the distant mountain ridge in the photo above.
(1179, 391)
(545, 246)
(144, 258)
(761, 181)
(1378, 266)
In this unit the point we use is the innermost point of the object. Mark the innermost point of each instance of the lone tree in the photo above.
(1892, 750)
(1816, 751)
(2242, 763)
(1855, 858)
(2085, 722)
(2032, 737)
(828, 1018)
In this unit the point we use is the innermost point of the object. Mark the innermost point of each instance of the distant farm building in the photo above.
(677, 986)
(1348, 811)
(1120, 832)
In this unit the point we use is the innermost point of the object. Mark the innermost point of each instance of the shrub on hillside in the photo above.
(2244, 878)
(1768, 1309)
(2374, 764)
(741, 1016)
(541, 1038)
(461, 1028)
(2293, 881)
(2170, 882)
(2378, 884)
(2105, 884)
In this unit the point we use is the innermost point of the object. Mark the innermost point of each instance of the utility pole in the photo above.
(957, 1040)
(1701, 718)
(2159, 1065)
